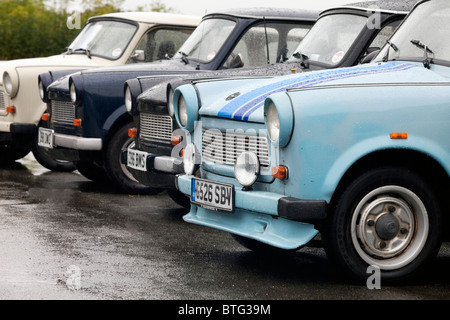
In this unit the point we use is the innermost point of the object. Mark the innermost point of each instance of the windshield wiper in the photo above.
(391, 45)
(303, 59)
(184, 57)
(427, 60)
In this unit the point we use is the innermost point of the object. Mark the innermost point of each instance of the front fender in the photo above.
(118, 118)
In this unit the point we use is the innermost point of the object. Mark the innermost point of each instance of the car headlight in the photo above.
(279, 119)
(170, 106)
(10, 83)
(246, 169)
(41, 90)
(273, 122)
(73, 93)
(128, 100)
(186, 105)
(182, 111)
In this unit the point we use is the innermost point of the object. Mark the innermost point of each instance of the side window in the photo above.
(251, 50)
(159, 44)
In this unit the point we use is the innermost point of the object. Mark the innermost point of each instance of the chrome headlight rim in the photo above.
(247, 172)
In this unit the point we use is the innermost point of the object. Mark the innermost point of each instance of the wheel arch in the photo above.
(422, 164)
(115, 121)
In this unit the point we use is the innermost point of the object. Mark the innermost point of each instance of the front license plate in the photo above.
(46, 137)
(137, 160)
(212, 195)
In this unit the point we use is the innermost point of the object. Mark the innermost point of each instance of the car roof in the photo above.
(152, 18)
(269, 13)
(384, 5)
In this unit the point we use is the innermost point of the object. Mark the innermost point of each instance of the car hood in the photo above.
(155, 89)
(58, 61)
(244, 100)
(105, 75)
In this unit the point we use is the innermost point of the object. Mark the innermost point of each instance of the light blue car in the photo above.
(361, 155)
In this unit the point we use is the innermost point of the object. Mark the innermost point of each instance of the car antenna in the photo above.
(267, 40)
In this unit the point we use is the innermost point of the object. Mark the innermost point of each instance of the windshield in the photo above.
(207, 39)
(107, 39)
(331, 38)
(423, 35)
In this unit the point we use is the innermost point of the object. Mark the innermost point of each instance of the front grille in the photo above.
(2, 101)
(224, 148)
(156, 127)
(63, 112)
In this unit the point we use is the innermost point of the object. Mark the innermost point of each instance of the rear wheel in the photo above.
(388, 218)
(118, 172)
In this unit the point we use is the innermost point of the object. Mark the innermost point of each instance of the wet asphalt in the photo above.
(62, 237)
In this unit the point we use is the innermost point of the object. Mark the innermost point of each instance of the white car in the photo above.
(107, 40)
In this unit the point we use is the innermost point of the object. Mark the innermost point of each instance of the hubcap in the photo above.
(389, 227)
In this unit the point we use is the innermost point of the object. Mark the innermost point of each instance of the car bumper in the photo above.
(160, 171)
(271, 218)
(77, 143)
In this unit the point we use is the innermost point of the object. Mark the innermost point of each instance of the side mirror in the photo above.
(139, 55)
(369, 57)
(236, 62)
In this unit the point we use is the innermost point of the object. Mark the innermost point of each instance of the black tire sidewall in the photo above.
(338, 242)
(113, 166)
(47, 162)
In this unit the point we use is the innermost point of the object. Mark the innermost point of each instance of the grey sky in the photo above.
(200, 7)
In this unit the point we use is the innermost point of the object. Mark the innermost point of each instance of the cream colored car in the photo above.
(107, 40)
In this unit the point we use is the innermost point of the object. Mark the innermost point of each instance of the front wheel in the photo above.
(118, 172)
(388, 218)
(41, 155)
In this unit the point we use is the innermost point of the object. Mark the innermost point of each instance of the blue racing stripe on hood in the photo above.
(242, 107)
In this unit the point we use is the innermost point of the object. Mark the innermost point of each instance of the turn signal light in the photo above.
(280, 172)
(11, 109)
(176, 140)
(45, 117)
(77, 122)
(399, 135)
(132, 132)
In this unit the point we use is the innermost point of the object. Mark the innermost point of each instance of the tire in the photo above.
(92, 171)
(180, 198)
(10, 154)
(388, 218)
(118, 172)
(41, 155)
